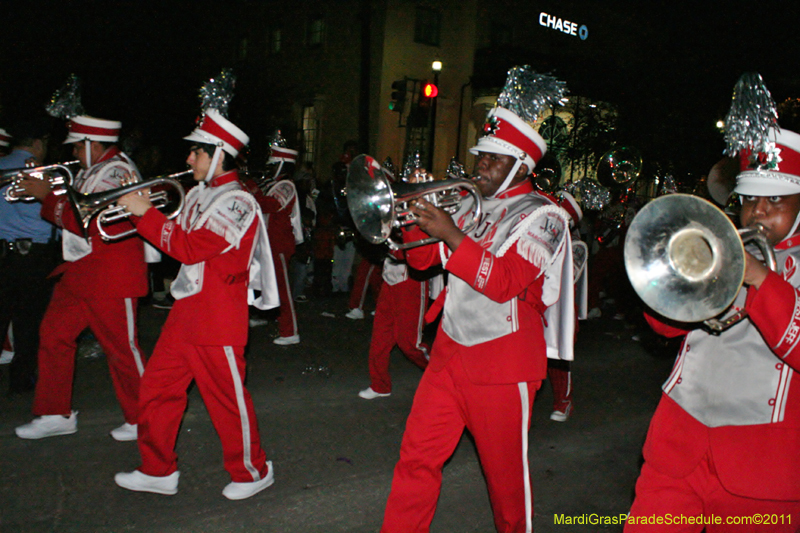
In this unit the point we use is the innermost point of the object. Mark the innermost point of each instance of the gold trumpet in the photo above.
(103, 203)
(59, 175)
(685, 259)
(377, 207)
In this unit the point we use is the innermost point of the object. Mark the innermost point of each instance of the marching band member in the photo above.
(28, 254)
(222, 243)
(399, 319)
(284, 226)
(99, 286)
(724, 438)
(489, 357)
(562, 321)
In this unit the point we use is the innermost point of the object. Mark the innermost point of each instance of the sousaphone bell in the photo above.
(378, 206)
(685, 259)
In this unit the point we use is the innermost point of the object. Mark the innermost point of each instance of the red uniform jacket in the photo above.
(277, 219)
(514, 358)
(217, 315)
(758, 461)
(114, 269)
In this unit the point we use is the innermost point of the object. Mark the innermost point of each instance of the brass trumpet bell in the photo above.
(684, 258)
(377, 207)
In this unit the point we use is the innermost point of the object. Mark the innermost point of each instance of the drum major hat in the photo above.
(216, 130)
(86, 128)
(282, 154)
(775, 171)
(506, 133)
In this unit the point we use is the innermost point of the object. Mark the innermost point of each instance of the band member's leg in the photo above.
(162, 403)
(433, 430)
(219, 373)
(498, 416)
(382, 342)
(113, 321)
(410, 303)
(66, 317)
(287, 319)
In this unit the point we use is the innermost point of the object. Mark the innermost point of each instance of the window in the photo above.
(310, 129)
(274, 41)
(242, 49)
(315, 32)
(427, 26)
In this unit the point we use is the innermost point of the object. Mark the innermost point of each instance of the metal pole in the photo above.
(432, 140)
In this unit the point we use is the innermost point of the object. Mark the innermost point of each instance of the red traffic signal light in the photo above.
(429, 90)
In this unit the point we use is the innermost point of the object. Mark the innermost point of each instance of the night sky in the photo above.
(672, 69)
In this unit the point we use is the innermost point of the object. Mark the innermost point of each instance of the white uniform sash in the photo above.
(103, 176)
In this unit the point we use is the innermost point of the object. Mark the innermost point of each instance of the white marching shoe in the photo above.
(239, 491)
(49, 426)
(369, 394)
(355, 314)
(167, 485)
(126, 432)
(286, 341)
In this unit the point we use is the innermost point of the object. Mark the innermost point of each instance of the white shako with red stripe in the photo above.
(281, 155)
(505, 133)
(5, 138)
(87, 129)
(774, 172)
(218, 131)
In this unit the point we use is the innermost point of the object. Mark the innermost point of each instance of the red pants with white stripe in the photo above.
(560, 377)
(700, 494)
(399, 317)
(113, 322)
(497, 416)
(368, 276)
(219, 373)
(287, 318)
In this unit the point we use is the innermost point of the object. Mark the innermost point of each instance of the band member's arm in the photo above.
(774, 308)
(498, 278)
(187, 247)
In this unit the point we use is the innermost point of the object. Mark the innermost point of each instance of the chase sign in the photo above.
(570, 28)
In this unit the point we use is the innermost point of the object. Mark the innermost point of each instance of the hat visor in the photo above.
(491, 148)
(757, 184)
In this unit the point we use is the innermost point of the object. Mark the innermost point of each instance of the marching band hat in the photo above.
(284, 155)
(216, 130)
(86, 128)
(5, 138)
(506, 133)
(773, 172)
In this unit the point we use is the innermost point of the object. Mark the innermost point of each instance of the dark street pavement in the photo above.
(333, 452)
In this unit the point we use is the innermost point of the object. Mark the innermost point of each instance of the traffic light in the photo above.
(398, 96)
(430, 90)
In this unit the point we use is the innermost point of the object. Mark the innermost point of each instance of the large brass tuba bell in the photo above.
(377, 207)
(685, 259)
(619, 166)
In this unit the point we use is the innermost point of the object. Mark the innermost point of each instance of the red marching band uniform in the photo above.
(98, 288)
(490, 354)
(221, 241)
(284, 227)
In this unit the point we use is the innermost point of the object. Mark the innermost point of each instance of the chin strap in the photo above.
(214, 162)
(87, 145)
(508, 179)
